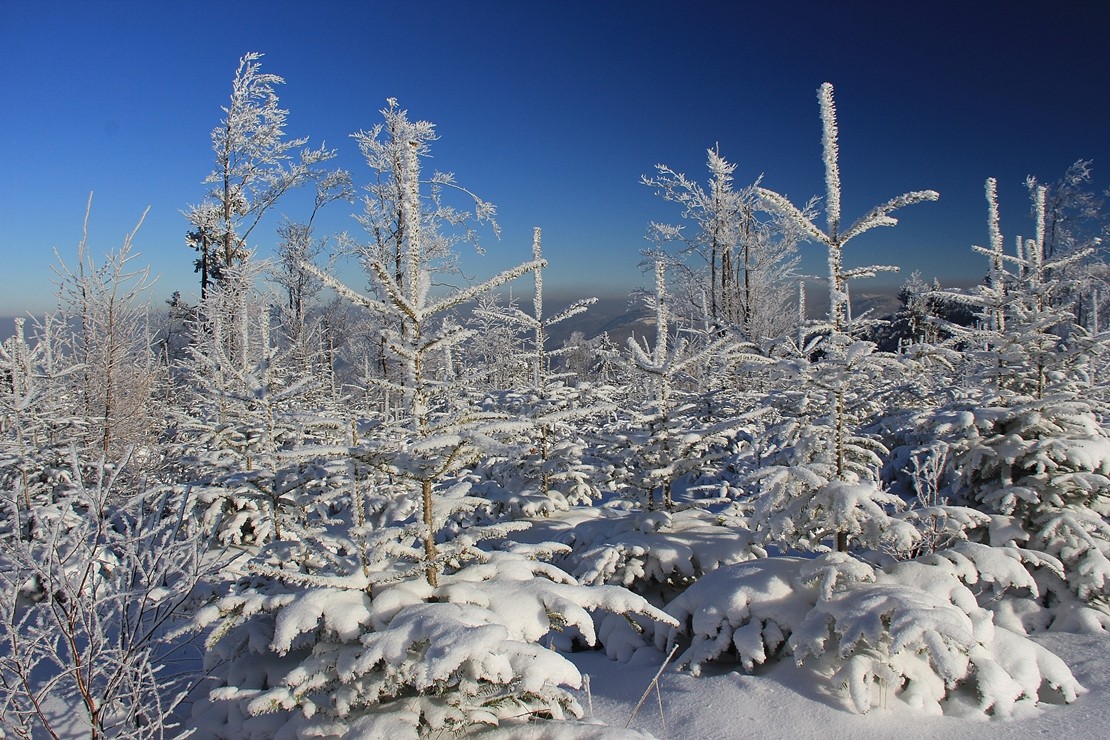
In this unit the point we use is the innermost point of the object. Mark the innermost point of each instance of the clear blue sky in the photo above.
(551, 110)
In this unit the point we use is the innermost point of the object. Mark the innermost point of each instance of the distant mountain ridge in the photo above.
(622, 316)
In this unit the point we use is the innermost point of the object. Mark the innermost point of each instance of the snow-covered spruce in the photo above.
(1042, 469)
(551, 470)
(668, 443)
(362, 656)
(251, 442)
(817, 486)
(739, 260)
(654, 553)
(552, 464)
(913, 630)
(832, 236)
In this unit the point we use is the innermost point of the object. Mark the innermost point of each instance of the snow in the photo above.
(781, 701)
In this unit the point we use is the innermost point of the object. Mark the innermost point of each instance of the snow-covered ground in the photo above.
(782, 702)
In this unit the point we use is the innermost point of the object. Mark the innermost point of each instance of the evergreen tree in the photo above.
(750, 256)
(105, 322)
(832, 237)
(391, 620)
(1029, 447)
(255, 165)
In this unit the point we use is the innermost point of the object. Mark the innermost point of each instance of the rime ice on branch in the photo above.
(832, 237)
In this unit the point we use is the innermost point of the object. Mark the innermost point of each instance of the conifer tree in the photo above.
(106, 325)
(393, 621)
(750, 255)
(255, 165)
(826, 481)
(38, 423)
(553, 458)
(832, 236)
(669, 443)
(1028, 444)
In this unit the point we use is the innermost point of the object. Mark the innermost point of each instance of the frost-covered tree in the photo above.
(750, 255)
(104, 309)
(435, 438)
(38, 424)
(921, 318)
(832, 236)
(249, 429)
(1028, 444)
(1074, 221)
(255, 165)
(1028, 339)
(1073, 216)
(554, 458)
(389, 618)
(667, 439)
(823, 478)
(497, 357)
(298, 244)
(818, 486)
(590, 360)
(87, 606)
(387, 147)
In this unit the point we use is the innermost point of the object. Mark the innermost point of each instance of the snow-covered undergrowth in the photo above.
(654, 553)
(401, 658)
(914, 628)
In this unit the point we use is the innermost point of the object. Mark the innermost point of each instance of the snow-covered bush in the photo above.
(371, 655)
(87, 605)
(655, 553)
(36, 423)
(1042, 470)
(673, 432)
(818, 485)
(913, 630)
(554, 462)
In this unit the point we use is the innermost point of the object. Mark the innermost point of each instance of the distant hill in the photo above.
(880, 304)
(616, 316)
(621, 317)
(7, 327)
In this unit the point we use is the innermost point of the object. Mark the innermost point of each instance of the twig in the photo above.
(654, 682)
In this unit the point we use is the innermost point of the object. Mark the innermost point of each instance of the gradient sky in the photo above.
(552, 111)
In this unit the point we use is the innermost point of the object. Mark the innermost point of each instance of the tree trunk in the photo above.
(430, 570)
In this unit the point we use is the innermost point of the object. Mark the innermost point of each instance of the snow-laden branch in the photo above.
(469, 294)
(371, 304)
(781, 204)
(868, 272)
(880, 215)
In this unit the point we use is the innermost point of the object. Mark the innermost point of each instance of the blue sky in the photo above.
(551, 110)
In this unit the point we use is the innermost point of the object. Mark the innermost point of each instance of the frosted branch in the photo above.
(831, 155)
(880, 215)
(793, 214)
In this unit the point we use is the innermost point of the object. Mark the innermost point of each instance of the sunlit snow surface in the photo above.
(782, 702)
